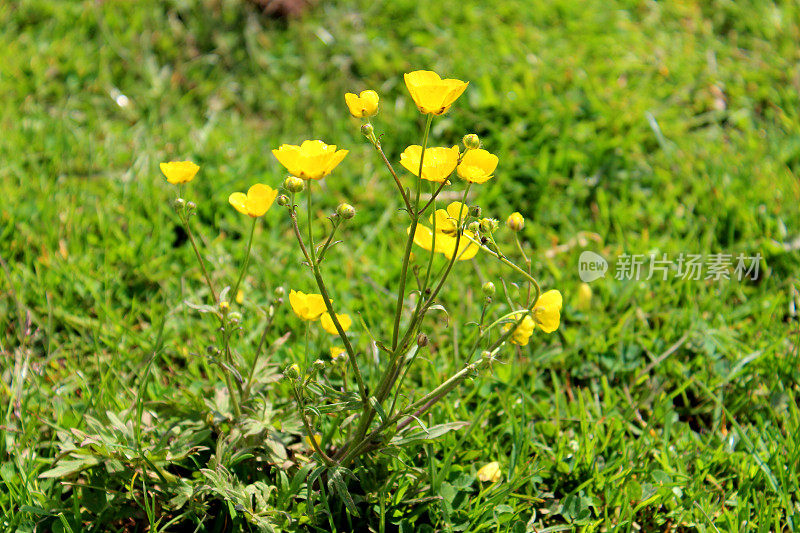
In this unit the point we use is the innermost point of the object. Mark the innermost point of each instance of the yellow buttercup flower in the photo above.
(312, 160)
(490, 472)
(546, 315)
(363, 105)
(256, 202)
(307, 306)
(337, 352)
(437, 165)
(447, 223)
(179, 171)
(547, 312)
(327, 323)
(477, 166)
(431, 93)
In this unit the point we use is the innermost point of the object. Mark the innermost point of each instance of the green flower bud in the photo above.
(235, 318)
(475, 211)
(422, 340)
(191, 207)
(179, 204)
(471, 141)
(283, 200)
(367, 130)
(488, 289)
(292, 372)
(279, 292)
(319, 364)
(293, 184)
(474, 227)
(488, 225)
(346, 211)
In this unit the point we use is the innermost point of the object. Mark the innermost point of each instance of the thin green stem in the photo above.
(249, 383)
(246, 259)
(351, 354)
(337, 222)
(310, 228)
(327, 460)
(397, 181)
(185, 220)
(401, 292)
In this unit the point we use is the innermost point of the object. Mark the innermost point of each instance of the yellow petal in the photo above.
(354, 105)
(330, 327)
(239, 201)
(490, 472)
(289, 156)
(369, 102)
(548, 311)
(334, 160)
(457, 208)
(179, 171)
(259, 199)
(477, 166)
(423, 236)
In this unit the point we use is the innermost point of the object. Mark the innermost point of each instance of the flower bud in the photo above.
(235, 318)
(471, 141)
(319, 364)
(292, 372)
(515, 222)
(367, 130)
(584, 297)
(279, 292)
(474, 227)
(283, 200)
(293, 184)
(488, 289)
(191, 207)
(179, 204)
(346, 211)
(224, 307)
(488, 225)
(475, 211)
(422, 340)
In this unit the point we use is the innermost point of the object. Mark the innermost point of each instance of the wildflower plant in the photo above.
(372, 412)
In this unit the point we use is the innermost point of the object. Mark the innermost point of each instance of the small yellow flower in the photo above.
(437, 165)
(431, 93)
(447, 223)
(515, 221)
(317, 439)
(240, 297)
(179, 171)
(477, 166)
(337, 352)
(546, 316)
(307, 306)
(490, 472)
(547, 312)
(312, 160)
(256, 202)
(584, 297)
(363, 105)
(327, 323)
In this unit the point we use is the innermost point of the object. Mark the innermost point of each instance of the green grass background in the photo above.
(660, 127)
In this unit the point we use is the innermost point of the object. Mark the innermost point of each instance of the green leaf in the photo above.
(430, 433)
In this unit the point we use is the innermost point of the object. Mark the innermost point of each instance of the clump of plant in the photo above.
(372, 413)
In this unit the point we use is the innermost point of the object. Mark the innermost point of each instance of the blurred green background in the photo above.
(658, 127)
